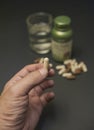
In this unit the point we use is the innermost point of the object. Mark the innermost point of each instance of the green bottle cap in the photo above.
(62, 21)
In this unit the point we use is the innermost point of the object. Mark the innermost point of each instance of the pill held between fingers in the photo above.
(46, 63)
(41, 60)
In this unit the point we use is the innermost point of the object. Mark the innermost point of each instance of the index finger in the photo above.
(22, 73)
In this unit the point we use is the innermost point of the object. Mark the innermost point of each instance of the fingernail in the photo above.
(43, 71)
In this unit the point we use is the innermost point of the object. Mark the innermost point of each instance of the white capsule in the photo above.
(61, 71)
(46, 62)
(50, 65)
(74, 61)
(41, 60)
(67, 61)
(84, 67)
(69, 76)
(58, 67)
(66, 74)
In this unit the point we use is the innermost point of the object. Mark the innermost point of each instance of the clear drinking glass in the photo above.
(39, 29)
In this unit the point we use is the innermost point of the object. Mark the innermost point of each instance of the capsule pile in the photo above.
(71, 68)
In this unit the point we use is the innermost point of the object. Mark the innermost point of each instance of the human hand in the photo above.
(23, 98)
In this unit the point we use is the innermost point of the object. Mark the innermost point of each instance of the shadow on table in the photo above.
(54, 115)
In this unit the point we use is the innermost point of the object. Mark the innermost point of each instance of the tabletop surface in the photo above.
(73, 107)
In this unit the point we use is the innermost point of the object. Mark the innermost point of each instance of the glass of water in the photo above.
(39, 29)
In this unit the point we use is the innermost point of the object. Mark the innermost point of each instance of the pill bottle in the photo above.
(62, 39)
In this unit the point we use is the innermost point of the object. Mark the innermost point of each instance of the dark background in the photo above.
(73, 107)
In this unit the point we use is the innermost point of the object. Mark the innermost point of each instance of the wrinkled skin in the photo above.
(23, 98)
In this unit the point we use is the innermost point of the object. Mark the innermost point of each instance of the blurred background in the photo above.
(73, 107)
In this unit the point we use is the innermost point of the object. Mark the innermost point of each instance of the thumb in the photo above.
(29, 81)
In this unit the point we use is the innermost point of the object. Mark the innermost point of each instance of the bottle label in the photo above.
(61, 51)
